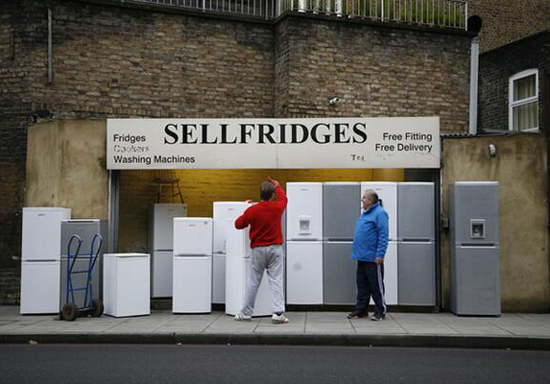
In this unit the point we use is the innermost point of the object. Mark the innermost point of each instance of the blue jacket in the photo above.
(371, 234)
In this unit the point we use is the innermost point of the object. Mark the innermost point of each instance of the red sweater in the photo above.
(264, 219)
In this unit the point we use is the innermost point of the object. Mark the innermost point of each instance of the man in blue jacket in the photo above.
(370, 242)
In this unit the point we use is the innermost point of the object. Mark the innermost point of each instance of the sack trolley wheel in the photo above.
(69, 312)
(97, 308)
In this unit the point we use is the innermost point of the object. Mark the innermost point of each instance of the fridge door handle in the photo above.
(426, 240)
(473, 245)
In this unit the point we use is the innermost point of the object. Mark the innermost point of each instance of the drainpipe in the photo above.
(50, 46)
(474, 25)
(474, 78)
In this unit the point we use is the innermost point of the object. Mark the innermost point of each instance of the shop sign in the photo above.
(401, 142)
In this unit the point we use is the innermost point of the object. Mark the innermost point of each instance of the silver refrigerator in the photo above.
(86, 229)
(475, 248)
(340, 202)
(416, 244)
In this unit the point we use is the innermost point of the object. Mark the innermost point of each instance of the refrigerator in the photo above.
(161, 243)
(238, 259)
(192, 265)
(416, 244)
(41, 259)
(126, 284)
(475, 248)
(387, 192)
(339, 216)
(304, 243)
(86, 229)
(225, 214)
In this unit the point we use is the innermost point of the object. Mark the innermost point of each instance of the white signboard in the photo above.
(408, 142)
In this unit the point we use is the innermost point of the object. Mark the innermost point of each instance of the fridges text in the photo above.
(127, 138)
(321, 133)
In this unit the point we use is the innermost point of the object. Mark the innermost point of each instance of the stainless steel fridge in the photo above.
(340, 200)
(475, 248)
(161, 242)
(416, 244)
(86, 229)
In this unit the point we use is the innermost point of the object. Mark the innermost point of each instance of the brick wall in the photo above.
(374, 71)
(505, 21)
(112, 59)
(496, 68)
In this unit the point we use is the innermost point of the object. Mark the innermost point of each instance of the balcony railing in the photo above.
(437, 13)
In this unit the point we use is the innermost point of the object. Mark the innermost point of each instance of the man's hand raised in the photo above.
(274, 182)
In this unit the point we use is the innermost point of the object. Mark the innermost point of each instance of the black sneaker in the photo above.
(357, 314)
(377, 317)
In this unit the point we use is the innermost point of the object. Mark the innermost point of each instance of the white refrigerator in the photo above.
(304, 246)
(192, 273)
(387, 191)
(238, 259)
(126, 284)
(41, 259)
(161, 243)
(225, 214)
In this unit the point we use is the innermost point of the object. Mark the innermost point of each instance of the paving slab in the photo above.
(525, 331)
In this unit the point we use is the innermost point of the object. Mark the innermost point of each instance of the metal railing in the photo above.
(439, 13)
(266, 9)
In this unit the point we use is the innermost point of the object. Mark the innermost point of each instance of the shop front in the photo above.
(196, 163)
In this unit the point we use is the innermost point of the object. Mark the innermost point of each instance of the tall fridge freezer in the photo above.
(339, 217)
(387, 192)
(192, 273)
(161, 246)
(238, 259)
(41, 259)
(225, 214)
(304, 246)
(416, 244)
(86, 229)
(475, 248)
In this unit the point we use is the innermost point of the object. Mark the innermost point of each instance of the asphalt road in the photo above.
(135, 364)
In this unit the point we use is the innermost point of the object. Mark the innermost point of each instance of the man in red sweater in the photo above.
(266, 241)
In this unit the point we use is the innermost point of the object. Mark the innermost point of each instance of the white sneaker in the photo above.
(242, 317)
(279, 319)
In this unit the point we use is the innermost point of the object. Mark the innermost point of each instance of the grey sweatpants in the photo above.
(268, 258)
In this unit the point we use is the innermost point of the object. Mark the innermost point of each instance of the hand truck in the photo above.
(89, 306)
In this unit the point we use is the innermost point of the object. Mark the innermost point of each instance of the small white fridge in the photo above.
(161, 243)
(41, 259)
(192, 265)
(238, 261)
(126, 284)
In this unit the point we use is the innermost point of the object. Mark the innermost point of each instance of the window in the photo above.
(524, 101)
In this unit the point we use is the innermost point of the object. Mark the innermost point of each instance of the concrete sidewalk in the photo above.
(514, 331)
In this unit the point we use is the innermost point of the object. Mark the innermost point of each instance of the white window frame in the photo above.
(512, 104)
